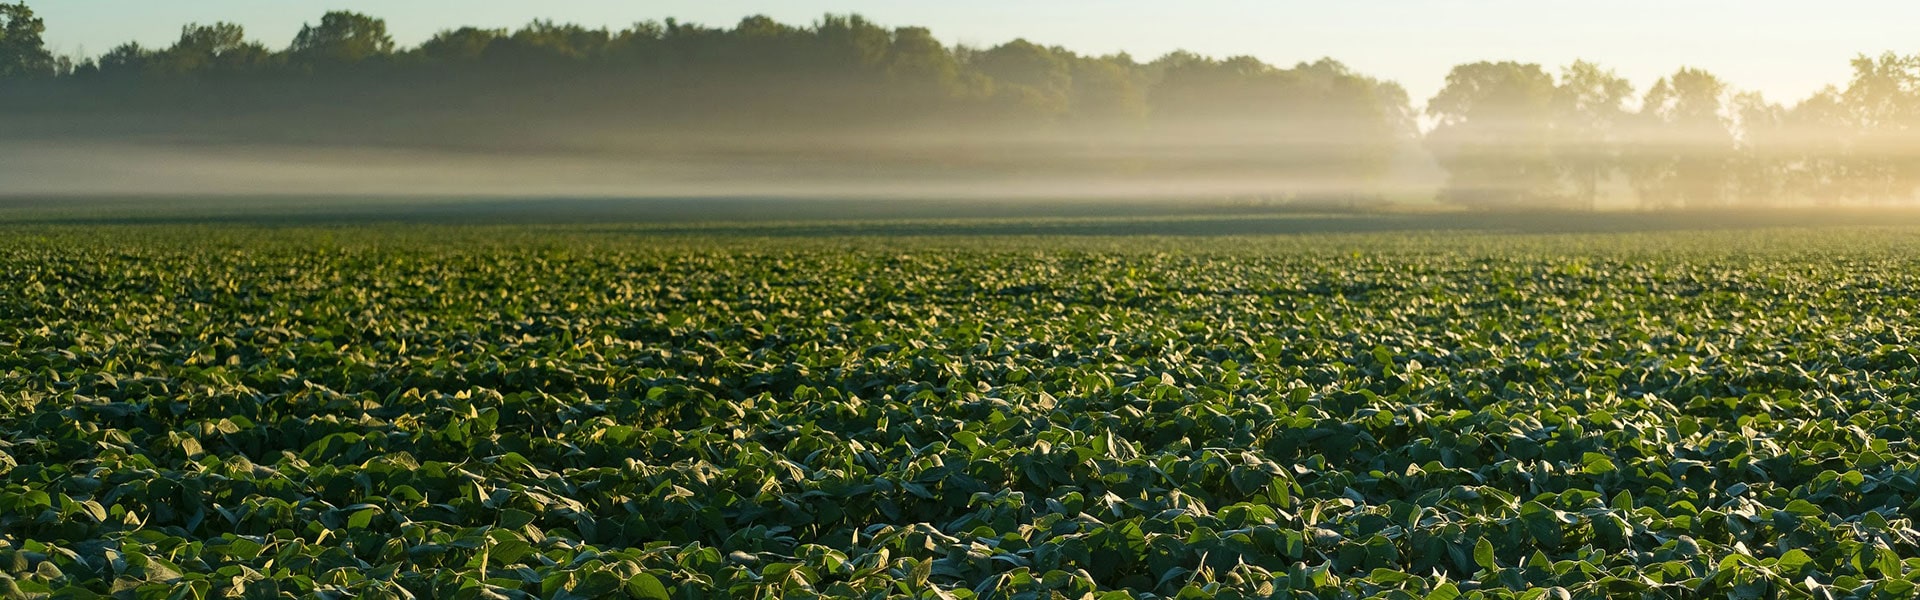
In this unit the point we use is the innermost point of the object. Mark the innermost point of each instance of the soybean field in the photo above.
(586, 411)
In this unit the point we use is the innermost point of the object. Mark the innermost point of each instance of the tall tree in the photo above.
(23, 51)
(548, 42)
(1766, 151)
(1820, 131)
(1493, 134)
(1360, 124)
(852, 41)
(1317, 131)
(1590, 108)
(466, 44)
(921, 66)
(1108, 87)
(1028, 77)
(1883, 101)
(125, 60)
(1684, 142)
(342, 38)
(212, 48)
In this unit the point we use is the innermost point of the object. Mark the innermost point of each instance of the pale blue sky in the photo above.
(1784, 48)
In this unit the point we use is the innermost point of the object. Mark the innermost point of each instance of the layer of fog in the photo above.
(953, 166)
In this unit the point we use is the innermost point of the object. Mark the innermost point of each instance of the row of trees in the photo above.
(851, 92)
(1511, 134)
(843, 91)
(1017, 77)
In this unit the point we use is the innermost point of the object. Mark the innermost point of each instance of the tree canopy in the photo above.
(23, 53)
(1507, 134)
(342, 38)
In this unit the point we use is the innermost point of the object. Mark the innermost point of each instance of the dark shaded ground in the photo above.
(787, 217)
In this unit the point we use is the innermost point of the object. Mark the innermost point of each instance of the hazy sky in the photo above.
(1784, 48)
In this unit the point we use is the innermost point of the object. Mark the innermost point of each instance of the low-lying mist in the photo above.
(845, 108)
(955, 163)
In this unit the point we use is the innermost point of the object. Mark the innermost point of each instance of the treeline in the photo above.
(849, 95)
(1512, 134)
(843, 95)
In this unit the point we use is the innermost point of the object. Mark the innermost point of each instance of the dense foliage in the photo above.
(574, 412)
(848, 93)
(843, 88)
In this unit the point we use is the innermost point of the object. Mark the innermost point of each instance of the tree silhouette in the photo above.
(1819, 167)
(1028, 78)
(466, 44)
(1884, 102)
(848, 93)
(212, 49)
(1494, 133)
(341, 38)
(23, 52)
(1684, 143)
(1590, 108)
(1760, 170)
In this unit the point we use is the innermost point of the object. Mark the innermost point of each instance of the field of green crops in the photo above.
(574, 412)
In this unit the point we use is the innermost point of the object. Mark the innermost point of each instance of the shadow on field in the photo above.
(768, 217)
